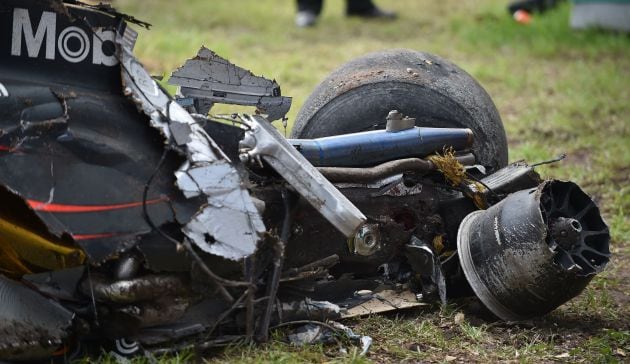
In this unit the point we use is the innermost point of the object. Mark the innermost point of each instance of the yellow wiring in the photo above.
(438, 243)
(450, 167)
(477, 196)
(455, 173)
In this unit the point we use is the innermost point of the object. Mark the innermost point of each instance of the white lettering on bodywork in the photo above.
(98, 56)
(45, 34)
(73, 56)
(22, 27)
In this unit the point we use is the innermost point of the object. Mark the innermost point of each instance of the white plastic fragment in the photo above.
(313, 333)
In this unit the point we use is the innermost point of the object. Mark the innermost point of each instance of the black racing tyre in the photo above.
(358, 95)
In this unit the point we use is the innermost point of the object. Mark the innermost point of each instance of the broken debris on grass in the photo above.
(137, 222)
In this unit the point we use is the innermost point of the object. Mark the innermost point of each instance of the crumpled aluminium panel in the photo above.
(209, 78)
(229, 225)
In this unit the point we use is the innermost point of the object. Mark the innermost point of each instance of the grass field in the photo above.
(558, 91)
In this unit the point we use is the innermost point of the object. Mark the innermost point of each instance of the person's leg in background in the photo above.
(367, 9)
(308, 11)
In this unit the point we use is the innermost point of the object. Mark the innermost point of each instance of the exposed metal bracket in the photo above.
(262, 140)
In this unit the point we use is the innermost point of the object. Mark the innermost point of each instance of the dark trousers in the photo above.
(352, 6)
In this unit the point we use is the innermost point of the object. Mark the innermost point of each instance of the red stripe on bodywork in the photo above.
(62, 208)
(103, 235)
(4, 148)
(93, 236)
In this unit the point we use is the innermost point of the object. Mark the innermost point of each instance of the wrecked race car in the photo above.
(139, 222)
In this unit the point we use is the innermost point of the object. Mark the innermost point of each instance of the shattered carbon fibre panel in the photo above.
(209, 78)
(229, 225)
(65, 163)
(69, 139)
(32, 327)
(69, 176)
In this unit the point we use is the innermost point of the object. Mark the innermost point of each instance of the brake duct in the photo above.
(534, 250)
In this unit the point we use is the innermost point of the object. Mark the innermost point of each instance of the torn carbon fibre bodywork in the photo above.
(136, 221)
(229, 224)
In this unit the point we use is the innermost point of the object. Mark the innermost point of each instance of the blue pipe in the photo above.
(373, 147)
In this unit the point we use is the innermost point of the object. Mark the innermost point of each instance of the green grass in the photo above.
(558, 91)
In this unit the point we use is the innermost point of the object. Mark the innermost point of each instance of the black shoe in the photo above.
(374, 13)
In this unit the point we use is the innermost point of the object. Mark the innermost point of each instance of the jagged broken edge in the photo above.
(207, 55)
(200, 70)
(229, 225)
